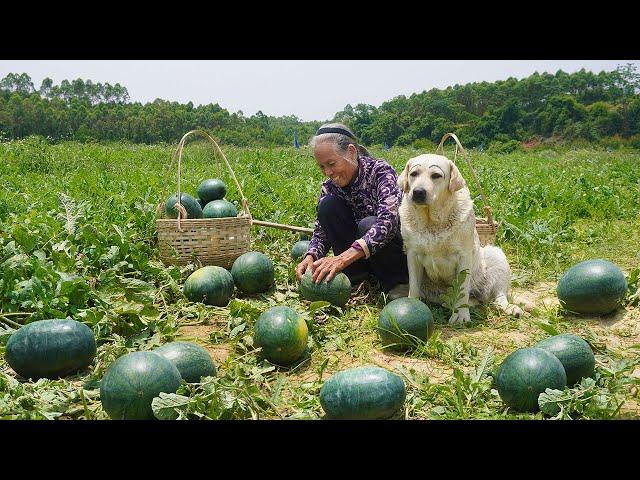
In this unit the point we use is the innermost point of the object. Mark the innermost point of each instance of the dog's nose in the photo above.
(419, 195)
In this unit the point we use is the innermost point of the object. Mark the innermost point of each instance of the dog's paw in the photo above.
(514, 310)
(524, 302)
(461, 316)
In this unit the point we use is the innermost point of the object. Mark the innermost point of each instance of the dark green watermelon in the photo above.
(220, 209)
(131, 383)
(573, 352)
(305, 236)
(253, 272)
(211, 189)
(192, 361)
(190, 204)
(299, 249)
(592, 287)
(282, 334)
(211, 285)
(362, 393)
(50, 348)
(403, 319)
(202, 204)
(525, 374)
(337, 291)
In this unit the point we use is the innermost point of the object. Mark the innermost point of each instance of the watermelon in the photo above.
(337, 291)
(211, 285)
(525, 374)
(191, 360)
(211, 189)
(131, 383)
(282, 334)
(190, 204)
(304, 236)
(202, 204)
(253, 272)
(220, 209)
(50, 348)
(362, 393)
(592, 287)
(299, 249)
(573, 352)
(403, 319)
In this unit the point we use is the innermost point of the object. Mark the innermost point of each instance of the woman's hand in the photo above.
(303, 266)
(331, 266)
(327, 266)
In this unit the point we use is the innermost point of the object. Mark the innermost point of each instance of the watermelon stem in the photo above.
(84, 403)
(10, 322)
(256, 350)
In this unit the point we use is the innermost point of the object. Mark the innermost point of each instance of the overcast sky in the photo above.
(308, 89)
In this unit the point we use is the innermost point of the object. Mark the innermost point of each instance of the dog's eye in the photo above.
(413, 174)
(435, 176)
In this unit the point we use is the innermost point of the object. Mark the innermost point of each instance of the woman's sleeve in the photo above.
(386, 225)
(319, 242)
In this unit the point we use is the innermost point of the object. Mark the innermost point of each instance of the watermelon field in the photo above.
(78, 240)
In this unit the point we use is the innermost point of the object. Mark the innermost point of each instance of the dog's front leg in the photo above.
(461, 315)
(416, 272)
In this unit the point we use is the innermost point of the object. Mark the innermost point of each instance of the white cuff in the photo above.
(364, 246)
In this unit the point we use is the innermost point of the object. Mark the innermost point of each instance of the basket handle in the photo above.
(178, 153)
(440, 150)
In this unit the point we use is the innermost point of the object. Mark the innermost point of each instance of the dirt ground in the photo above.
(616, 333)
(200, 335)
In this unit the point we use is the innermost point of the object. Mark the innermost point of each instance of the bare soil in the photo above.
(616, 333)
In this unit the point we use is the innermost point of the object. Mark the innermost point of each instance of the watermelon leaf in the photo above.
(591, 398)
(74, 288)
(26, 238)
(5, 333)
(164, 406)
(550, 402)
(237, 330)
(318, 305)
(547, 327)
(16, 261)
(277, 388)
(242, 308)
(257, 373)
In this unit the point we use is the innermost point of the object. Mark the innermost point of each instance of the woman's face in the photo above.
(340, 169)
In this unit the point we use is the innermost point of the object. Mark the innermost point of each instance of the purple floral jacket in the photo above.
(373, 192)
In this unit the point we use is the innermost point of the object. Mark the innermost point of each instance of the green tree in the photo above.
(21, 84)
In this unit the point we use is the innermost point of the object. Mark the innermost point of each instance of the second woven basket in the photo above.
(204, 241)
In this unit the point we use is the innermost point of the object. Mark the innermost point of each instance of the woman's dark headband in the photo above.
(339, 130)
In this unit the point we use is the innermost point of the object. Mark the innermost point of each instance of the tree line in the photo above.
(583, 105)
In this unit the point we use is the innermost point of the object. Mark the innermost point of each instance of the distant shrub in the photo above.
(633, 141)
(614, 142)
(424, 144)
(580, 144)
(508, 146)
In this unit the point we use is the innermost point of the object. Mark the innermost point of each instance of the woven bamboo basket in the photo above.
(486, 227)
(203, 241)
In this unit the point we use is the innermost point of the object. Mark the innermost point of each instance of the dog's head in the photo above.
(428, 177)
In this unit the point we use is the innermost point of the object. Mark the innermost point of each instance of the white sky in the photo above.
(308, 89)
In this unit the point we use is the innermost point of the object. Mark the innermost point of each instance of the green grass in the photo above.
(78, 239)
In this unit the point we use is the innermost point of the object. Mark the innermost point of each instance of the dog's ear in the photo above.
(456, 182)
(403, 181)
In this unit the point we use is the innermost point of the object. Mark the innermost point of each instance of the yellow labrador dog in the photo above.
(438, 230)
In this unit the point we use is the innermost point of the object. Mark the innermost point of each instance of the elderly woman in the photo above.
(357, 215)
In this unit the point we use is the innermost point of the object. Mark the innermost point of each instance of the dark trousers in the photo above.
(388, 265)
